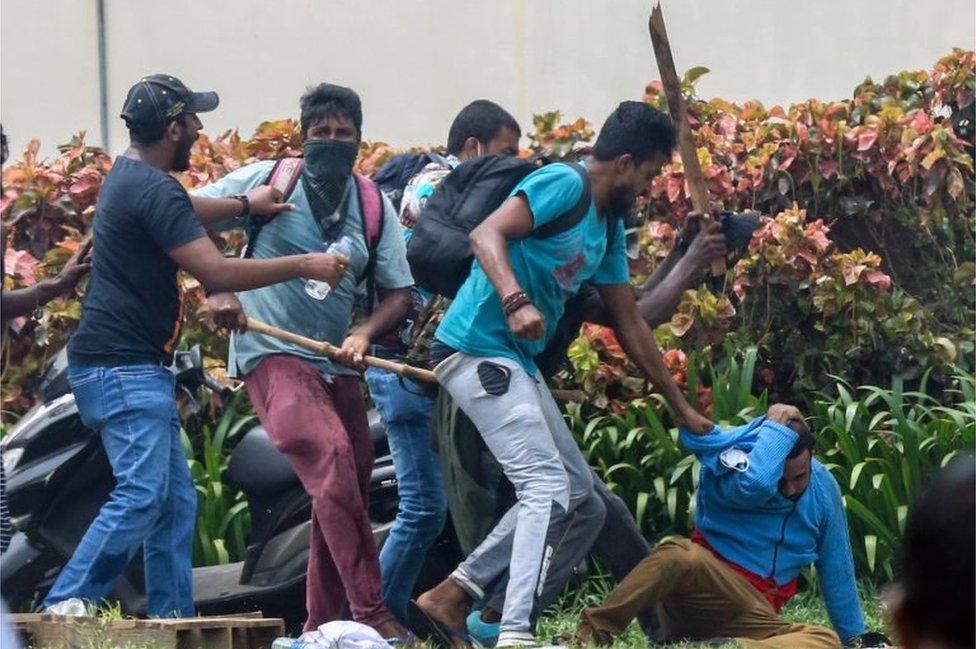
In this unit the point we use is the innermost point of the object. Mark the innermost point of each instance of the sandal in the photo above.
(436, 631)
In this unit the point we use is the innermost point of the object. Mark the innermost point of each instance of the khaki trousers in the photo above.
(697, 597)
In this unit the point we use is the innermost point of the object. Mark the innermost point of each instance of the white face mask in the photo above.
(478, 151)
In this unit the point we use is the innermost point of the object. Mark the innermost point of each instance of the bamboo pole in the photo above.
(327, 349)
(401, 369)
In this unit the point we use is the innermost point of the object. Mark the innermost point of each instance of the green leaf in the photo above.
(640, 513)
(695, 73)
(871, 548)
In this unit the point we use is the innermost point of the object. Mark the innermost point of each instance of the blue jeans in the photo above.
(154, 502)
(423, 506)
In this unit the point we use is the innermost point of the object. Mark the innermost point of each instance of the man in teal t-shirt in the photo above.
(504, 315)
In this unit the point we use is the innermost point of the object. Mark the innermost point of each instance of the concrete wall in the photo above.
(415, 63)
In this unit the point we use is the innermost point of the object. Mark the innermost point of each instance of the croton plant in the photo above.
(862, 264)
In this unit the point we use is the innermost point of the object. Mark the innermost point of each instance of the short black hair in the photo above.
(938, 558)
(482, 120)
(638, 129)
(330, 100)
(804, 438)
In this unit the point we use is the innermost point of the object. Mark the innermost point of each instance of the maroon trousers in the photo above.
(321, 428)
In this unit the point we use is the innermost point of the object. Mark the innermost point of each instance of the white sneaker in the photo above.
(73, 607)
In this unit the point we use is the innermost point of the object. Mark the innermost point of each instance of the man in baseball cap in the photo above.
(146, 229)
(160, 102)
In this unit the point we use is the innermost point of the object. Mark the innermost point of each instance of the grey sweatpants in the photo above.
(524, 429)
(617, 542)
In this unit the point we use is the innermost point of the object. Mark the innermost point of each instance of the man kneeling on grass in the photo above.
(766, 508)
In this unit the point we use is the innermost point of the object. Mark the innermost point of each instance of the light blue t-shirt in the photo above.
(286, 304)
(550, 270)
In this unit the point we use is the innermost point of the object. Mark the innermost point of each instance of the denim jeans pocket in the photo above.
(87, 388)
(146, 388)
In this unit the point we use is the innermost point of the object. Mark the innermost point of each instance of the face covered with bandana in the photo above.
(330, 149)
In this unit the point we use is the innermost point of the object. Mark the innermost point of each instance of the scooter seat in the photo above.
(377, 432)
(257, 468)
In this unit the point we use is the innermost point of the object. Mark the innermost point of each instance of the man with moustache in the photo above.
(502, 318)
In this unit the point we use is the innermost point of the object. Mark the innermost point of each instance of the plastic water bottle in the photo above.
(284, 643)
(319, 290)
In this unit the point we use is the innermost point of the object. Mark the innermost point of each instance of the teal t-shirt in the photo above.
(550, 270)
(286, 304)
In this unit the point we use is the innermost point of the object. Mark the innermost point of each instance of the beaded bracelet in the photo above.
(515, 301)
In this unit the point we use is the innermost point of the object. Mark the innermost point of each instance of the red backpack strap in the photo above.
(285, 174)
(284, 177)
(371, 209)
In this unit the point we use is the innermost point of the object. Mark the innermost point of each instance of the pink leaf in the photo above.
(829, 168)
(20, 263)
(879, 279)
(866, 139)
(676, 187)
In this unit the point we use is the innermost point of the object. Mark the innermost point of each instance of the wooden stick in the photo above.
(679, 115)
(331, 351)
(402, 369)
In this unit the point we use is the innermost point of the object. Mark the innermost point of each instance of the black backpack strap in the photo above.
(568, 220)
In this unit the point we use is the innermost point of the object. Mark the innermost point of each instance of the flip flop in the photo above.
(436, 631)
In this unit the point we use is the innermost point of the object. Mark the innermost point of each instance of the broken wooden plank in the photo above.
(694, 178)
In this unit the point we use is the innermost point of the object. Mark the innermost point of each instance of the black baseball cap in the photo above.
(158, 99)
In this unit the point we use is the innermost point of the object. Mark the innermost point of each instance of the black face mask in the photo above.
(328, 167)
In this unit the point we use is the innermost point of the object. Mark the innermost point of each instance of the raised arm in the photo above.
(217, 210)
(638, 342)
(260, 201)
(20, 302)
(219, 274)
(744, 475)
(659, 296)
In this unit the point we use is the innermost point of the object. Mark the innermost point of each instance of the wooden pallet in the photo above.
(62, 632)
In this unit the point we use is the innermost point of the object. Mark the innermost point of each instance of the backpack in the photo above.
(397, 172)
(439, 252)
(284, 177)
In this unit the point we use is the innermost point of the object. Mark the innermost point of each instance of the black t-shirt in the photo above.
(133, 307)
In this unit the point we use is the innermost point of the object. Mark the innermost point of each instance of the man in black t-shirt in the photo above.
(145, 230)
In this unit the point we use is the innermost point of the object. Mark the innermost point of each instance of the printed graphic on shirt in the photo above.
(735, 459)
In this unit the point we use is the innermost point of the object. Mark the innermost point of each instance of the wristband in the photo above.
(245, 204)
(515, 301)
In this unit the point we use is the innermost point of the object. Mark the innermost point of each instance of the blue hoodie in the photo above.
(747, 521)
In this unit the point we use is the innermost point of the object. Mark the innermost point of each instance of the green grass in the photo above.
(563, 617)
(806, 607)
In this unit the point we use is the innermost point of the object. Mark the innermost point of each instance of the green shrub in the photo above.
(638, 454)
(880, 444)
(223, 519)
(882, 448)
